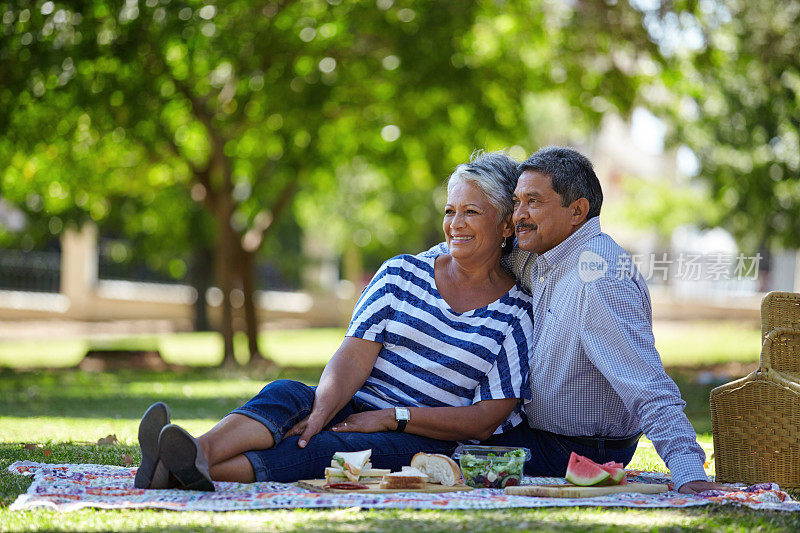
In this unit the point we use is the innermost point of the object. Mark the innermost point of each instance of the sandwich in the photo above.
(407, 479)
(335, 474)
(439, 468)
(351, 466)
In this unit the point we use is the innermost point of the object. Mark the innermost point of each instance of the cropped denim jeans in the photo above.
(283, 403)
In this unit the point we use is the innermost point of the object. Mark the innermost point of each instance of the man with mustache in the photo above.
(597, 381)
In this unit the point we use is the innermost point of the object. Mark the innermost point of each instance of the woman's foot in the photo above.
(151, 473)
(185, 459)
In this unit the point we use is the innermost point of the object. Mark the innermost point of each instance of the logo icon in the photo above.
(591, 266)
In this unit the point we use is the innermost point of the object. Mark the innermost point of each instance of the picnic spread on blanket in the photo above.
(67, 487)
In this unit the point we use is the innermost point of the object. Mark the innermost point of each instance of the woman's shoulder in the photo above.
(517, 298)
(405, 268)
(409, 262)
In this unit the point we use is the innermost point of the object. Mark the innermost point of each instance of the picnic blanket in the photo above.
(67, 487)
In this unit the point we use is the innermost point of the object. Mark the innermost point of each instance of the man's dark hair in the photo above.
(571, 173)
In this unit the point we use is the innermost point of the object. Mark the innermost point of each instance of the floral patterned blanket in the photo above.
(67, 487)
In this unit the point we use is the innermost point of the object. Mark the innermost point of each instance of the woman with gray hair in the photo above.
(436, 352)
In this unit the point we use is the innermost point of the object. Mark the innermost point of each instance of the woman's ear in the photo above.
(508, 227)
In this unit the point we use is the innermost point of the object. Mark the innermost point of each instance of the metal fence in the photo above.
(109, 269)
(30, 271)
(40, 271)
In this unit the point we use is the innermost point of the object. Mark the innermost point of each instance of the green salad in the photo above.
(492, 470)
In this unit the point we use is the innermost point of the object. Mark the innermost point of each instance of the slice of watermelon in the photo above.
(617, 473)
(585, 472)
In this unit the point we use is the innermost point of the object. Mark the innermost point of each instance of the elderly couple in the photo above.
(545, 342)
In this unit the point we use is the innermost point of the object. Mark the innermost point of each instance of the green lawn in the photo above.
(64, 413)
(707, 343)
(300, 347)
(679, 343)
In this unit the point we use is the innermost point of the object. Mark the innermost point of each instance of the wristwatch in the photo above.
(402, 415)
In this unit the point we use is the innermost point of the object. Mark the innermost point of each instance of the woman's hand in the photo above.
(307, 428)
(368, 422)
(343, 375)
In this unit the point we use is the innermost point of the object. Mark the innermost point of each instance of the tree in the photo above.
(241, 106)
(731, 89)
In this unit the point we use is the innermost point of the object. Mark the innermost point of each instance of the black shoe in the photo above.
(183, 456)
(150, 475)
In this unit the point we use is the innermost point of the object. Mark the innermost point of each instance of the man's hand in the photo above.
(368, 422)
(693, 487)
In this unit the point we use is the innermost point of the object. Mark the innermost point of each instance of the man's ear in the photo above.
(579, 210)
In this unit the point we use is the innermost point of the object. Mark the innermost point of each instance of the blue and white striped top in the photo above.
(433, 356)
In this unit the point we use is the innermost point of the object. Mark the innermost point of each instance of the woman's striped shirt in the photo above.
(433, 356)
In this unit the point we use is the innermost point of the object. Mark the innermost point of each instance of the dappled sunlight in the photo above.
(290, 347)
(59, 430)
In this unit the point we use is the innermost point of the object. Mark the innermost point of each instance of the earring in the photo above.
(503, 244)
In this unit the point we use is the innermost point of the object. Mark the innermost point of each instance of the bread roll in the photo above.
(439, 468)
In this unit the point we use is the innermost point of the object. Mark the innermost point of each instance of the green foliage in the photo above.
(122, 112)
(734, 98)
(662, 206)
(132, 115)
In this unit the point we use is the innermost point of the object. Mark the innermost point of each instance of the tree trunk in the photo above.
(202, 278)
(247, 274)
(226, 276)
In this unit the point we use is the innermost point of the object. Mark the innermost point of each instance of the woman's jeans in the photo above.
(283, 403)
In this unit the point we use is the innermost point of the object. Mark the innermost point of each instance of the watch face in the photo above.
(402, 413)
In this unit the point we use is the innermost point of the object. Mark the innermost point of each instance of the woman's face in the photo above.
(471, 226)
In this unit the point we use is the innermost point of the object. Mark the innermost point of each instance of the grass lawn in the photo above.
(61, 414)
(679, 343)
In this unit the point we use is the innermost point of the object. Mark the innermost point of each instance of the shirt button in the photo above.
(541, 279)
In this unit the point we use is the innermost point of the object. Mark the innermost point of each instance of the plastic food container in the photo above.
(492, 467)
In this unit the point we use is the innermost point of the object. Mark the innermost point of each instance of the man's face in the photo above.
(540, 220)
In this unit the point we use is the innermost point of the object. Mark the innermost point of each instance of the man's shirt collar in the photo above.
(556, 254)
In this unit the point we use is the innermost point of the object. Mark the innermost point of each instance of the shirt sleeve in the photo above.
(618, 338)
(436, 250)
(509, 375)
(372, 311)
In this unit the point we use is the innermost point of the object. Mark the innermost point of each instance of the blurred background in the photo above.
(198, 180)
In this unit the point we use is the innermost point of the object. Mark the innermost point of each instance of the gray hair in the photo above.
(495, 173)
(571, 174)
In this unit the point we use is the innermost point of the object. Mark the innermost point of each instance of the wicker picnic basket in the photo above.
(756, 419)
